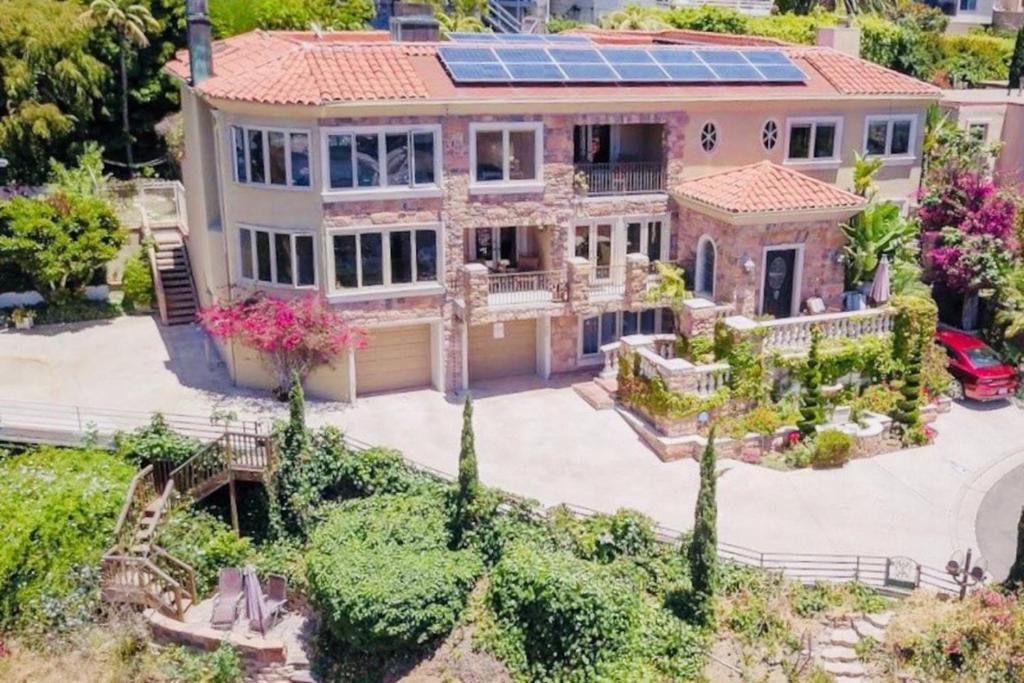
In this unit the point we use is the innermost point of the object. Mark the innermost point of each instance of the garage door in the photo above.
(394, 358)
(515, 353)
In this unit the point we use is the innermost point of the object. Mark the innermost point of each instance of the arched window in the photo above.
(769, 134)
(705, 275)
(709, 137)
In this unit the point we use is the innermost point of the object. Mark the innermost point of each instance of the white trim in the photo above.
(698, 271)
(507, 186)
(902, 158)
(382, 190)
(254, 259)
(596, 358)
(814, 121)
(386, 290)
(798, 275)
(265, 131)
(543, 343)
(437, 355)
(645, 220)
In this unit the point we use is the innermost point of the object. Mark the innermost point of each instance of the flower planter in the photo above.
(24, 324)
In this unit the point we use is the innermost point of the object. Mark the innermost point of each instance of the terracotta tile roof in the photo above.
(853, 76)
(766, 187)
(676, 36)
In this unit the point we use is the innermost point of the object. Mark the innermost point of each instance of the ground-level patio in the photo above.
(541, 440)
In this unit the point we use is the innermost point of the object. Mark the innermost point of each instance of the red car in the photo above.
(978, 371)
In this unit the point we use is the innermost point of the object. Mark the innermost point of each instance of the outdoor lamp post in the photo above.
(964, 573)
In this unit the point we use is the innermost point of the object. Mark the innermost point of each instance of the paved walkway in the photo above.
(542, 441)
(997, 522)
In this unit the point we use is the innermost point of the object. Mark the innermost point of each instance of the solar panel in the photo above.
(473, 37)
(575, 59)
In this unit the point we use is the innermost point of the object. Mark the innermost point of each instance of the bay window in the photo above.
(889, 135)
(389, 257)
(265, 156)
(814, 139)
(506, 153)
(378, 159)
(277, 257)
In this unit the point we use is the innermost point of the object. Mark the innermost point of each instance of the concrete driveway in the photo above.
(540, 440)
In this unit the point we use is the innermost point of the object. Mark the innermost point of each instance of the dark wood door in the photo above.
(778, 282)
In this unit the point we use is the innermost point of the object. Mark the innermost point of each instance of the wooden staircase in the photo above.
(173, 277)
(136, 571)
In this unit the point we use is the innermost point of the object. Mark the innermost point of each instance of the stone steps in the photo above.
(596, 396)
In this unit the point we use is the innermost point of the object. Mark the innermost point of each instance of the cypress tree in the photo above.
(1016, 578)
(702, 553)
(288, 494)
(469, 478)
(811, 413)
(295, 432)
(1016, 63)
(908, 408)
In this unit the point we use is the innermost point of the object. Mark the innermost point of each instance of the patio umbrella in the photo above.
(253, 599)
(880, 285)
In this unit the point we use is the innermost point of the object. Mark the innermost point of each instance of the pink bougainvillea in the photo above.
(294, 335)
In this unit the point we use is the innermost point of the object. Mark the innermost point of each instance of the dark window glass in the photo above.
(900, 137)
(368, 160)
(522, 150)
(604, 245)
(484, 244)
(339, 151)
(825, 141)
(426, 255)
(239, 142)
(300, 159)
(304, 260)
(647, 321)
(609, 327)
(509, 251)
(668, 321)
(632, 238)
(401, 257)
(345, 269)
(423, 149)
(707, 268)
(245, 237)
(371, 256)
(983, 357)
(630, 323)
(591, 340)
(583, 241)
(654, 240)
(276, 150)
(283, 256)
(397, 147)
(263, 256)
(876, 137)
(490, 163)
(800, 141)
(256, 156)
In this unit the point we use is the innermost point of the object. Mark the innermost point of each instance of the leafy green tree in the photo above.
(671, 288)
(52, 86)
(878, 230)
(1016, 63)
(811, 409)
(291, 493)
(351, 15)
(468, 492)
(702, 553)
(1015, 579)
(130, 22)
(635, 18)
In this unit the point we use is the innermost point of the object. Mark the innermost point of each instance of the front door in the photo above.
(779, 278)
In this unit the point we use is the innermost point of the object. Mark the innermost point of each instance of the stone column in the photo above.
(474, 288)
(697, 318)
(636, 280)
(578, 270)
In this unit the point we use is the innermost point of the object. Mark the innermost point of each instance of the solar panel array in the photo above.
(589, 63)
(519, 38)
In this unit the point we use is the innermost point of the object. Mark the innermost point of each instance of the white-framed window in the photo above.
(889, 136)
(507, 155)
(769, 135)
(707, 256)
(598, 330)
(815, 140)
(277, 157)
(709, 137)
(390, 257)
(381, 159)
(277, 257)
(647, 236)
(606, 241)
(979, 130)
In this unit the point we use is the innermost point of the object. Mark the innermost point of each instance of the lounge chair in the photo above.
(272, 604)
(229, 594)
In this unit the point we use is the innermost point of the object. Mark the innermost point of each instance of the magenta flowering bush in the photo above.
(294, 335)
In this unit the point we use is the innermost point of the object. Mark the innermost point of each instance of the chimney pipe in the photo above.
(200, 52)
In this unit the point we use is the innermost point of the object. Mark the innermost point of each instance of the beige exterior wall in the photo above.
(1005, 123)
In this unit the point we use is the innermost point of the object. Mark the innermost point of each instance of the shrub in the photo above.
(155, 442)
(381, 576)
(878, 398)
(972, 58)
(792, 28)
(204, 542)
(73, 311)
(833, 448)
(223, 665)
(137, 282)
(707, 18)
(57, 513)
(604, 538)
(374, 471)
(286, 557)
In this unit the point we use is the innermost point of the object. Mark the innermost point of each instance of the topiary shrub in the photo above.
(811, 410)
(908, 409)
(833, 448)
(381, 576)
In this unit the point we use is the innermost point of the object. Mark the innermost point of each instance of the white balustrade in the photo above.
(795, 333)
(611, 359)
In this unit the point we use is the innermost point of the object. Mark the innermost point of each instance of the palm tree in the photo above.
(130, 23)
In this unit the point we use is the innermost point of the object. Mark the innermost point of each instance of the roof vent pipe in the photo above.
(200, 52)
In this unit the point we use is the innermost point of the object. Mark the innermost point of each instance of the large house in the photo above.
(494, 209)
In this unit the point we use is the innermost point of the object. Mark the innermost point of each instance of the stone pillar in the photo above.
(474, 288)
(636, 280)
(578, 272)
(697, 318)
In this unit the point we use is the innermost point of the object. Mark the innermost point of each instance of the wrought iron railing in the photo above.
(608, 280)
(620, 177)
(524, 288)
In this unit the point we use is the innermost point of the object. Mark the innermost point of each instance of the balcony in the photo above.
(619, 177)
(618, 159)
(532, 287)
(608, 281)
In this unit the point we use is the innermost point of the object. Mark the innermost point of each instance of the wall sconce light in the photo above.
(749, 265)
(839, 257)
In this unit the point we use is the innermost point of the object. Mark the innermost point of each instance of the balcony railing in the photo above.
(608, 281)
(536, 287)
(627, 177)
(794, 334)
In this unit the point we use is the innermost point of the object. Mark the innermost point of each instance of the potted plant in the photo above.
(23, 318)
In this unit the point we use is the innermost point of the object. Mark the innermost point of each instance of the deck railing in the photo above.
(608, 280)
(755, 8)
(621, 177)
(141, 491)
(542, 286)
(795, 333)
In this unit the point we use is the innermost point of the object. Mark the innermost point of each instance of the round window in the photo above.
(770, 135)
(709, 137)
